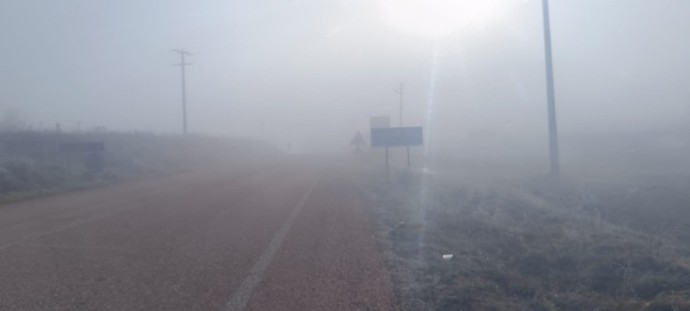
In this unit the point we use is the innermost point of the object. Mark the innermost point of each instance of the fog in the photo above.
(274, 190)
(309, 74)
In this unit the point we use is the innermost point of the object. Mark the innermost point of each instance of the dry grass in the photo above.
(38, 167)
(535, 244)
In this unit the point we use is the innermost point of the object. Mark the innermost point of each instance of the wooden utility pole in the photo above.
(182, 65)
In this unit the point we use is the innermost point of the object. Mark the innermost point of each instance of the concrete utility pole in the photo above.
(400, 91)
(182, 65)
(550, 94)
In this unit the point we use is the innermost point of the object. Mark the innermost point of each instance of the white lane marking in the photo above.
(241, 297)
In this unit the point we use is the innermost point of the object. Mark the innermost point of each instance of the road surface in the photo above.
(290, 235)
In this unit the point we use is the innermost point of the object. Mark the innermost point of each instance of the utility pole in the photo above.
(182, 65)
(550, 93)
(400, 91)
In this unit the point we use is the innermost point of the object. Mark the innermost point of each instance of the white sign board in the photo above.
(380, 122)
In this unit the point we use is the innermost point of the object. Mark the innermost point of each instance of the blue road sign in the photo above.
(397, 137)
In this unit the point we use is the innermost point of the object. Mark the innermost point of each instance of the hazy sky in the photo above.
(311, 72)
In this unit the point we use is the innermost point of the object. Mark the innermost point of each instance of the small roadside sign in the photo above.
(358, 141)
(380, 122)
(94, 161)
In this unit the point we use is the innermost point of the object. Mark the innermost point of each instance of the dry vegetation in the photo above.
(32, 163)
(534, 244)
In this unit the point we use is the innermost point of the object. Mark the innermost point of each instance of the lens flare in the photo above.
(439, 18)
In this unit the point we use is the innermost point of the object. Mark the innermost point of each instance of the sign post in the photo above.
(358, 142)
(397, 137)
(388, 174)
(94, 161)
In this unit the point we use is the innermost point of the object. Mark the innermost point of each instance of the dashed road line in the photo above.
(242, 295)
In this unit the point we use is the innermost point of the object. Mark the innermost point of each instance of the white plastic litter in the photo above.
(447, 256)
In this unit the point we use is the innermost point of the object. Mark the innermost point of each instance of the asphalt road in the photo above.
(286, 236)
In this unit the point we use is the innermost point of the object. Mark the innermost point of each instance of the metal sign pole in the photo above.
(388, 175)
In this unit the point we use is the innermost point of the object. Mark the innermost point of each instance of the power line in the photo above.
(182, 65)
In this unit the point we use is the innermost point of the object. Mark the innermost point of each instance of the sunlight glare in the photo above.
(438, 18)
